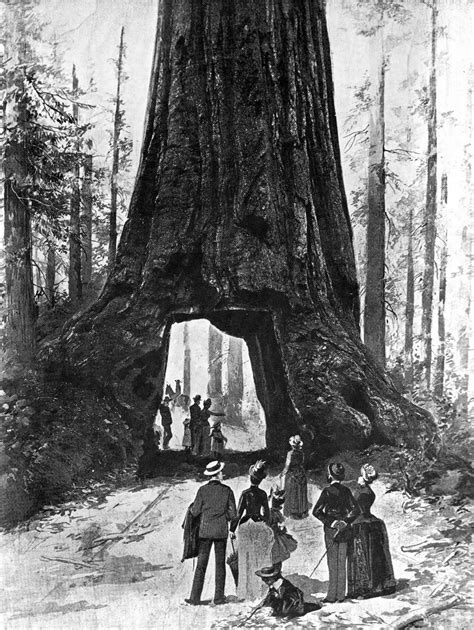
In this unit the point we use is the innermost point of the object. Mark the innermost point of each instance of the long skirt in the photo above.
(369, 563)
(296, 495)
(255, 542)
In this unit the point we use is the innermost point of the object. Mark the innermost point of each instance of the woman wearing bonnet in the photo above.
(369, 570)
(296, 487)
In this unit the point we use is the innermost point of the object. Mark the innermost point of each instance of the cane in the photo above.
(334, 541)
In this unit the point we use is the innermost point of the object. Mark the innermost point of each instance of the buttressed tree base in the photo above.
(239, 216)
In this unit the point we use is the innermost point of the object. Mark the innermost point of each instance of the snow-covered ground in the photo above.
(141, 583)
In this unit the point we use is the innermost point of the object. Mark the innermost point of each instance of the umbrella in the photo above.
(233, 562)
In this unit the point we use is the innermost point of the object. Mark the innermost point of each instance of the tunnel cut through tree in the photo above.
(239, 216)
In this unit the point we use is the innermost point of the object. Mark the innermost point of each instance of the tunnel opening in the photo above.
(203, 360)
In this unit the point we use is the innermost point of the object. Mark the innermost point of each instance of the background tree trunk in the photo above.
(239, 216)
(115, 159)
(86, 195)
(430, 212)
(74, 276)
(50, 282)
(20, 303)
(235, 382)
(374, 308)
(187, 362)
(214, 387)
(443, 263)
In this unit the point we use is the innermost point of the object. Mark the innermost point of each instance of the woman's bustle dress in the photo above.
(296, 487)
(255, 541)
(369, 563)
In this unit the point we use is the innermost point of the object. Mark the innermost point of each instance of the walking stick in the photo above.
(334, 541)
(252, 612)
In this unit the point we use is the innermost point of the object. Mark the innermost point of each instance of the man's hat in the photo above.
(166, 399)
(196, 398)
(336, 471)
(213, 468)
(268, 572)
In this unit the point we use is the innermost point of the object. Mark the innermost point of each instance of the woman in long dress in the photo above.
(254, 536)
(369, 567)
(296, 486)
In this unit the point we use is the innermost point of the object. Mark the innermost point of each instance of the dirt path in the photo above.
(141, 583)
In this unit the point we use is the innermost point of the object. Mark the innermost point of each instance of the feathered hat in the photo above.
(296, 441)
(257, 471)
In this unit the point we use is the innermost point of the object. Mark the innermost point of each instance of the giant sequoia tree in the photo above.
(239, 216)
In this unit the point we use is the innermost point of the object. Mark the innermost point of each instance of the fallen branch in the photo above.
(421, 613)
(108, 543)
(66, 561)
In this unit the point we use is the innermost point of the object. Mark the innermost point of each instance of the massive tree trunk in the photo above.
(374, 307)
(239, 215)
(430, 212)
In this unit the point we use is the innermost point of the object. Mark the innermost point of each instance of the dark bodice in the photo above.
(253, 505)
(365, 497)
(295, 460)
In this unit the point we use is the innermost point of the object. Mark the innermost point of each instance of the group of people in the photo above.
(202, 435)
(356, 541)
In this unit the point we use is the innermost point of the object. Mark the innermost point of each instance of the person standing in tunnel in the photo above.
(195, 425)
(166, 421)
(206, 413)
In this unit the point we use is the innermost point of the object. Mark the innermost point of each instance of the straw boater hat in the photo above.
(268, 572)
(213, 468)
(296, 441)
(368, 473)
(336, 471)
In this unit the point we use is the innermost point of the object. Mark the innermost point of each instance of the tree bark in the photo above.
(74, 275)
(410, 305)
(443, 263)
(235, 382)
(374, 308)
(50, 288)
(239, 216)
(214, 387)
(20, 303)
(86, 195)
(430, 212)
(115, 159)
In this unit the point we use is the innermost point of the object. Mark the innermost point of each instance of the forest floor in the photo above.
(53, 578)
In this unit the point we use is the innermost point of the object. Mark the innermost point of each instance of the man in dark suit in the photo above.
(215, 504)
(336, 508)
(166, 421)
(195, 425)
